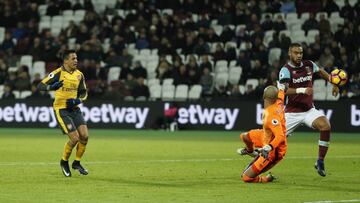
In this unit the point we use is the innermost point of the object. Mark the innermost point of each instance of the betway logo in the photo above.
(196, 114)
(302, 79)
(107, 113)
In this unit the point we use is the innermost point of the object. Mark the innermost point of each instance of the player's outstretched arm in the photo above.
(51, 82)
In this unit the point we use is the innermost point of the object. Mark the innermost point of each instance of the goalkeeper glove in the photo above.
(71, 103)
(56, 85)
(280, 86)
(265, 150)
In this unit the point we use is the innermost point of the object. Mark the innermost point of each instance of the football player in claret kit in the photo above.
(298, 75)
(70, 90)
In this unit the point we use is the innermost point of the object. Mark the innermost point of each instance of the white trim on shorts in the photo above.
(294, 120)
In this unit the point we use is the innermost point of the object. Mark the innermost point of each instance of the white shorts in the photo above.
(294, 120)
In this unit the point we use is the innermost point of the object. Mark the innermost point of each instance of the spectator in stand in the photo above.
(330, 6)
(227, 34)
(267, 24)
(354, 89)
(193, 70)
(3, 71)
(8, 94)
(212, 36)
(8, 44)
(310, 23)
(326, 56)
(207, 82)
(164, 71)
(139, 70)
(22, 81)
(205, 63)
(324, 25)
(181, 75)
(219, 53)
(142, 42)
(125, 70)
(36, 94)
(279, 24)
(130, 82)
(140, 90)
(201, 47)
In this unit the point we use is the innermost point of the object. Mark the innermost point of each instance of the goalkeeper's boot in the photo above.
(320, 167)
(244, 151)
(65, 168)
(77, 166)
(270, 177)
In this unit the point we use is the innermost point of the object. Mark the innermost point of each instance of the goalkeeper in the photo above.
(271, 139)
(70, 90)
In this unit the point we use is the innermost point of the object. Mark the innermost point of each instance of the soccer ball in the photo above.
(338, 77)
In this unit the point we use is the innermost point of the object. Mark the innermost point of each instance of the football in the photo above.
(339, 77)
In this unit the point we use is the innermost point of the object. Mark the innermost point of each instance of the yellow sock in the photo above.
(80, 149)
(67, 151)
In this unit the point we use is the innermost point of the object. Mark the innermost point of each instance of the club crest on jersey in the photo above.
(308, 70)
(274, 122)
(69, 126)
(79, 77)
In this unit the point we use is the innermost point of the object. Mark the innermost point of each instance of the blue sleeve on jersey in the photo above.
(315, 67)
(284, 75)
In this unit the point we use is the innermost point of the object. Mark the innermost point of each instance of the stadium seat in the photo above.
(39, 67)
(80, 12)
(335, 15)
(145, 52)
(218, 29)
(221, 79)
(291, 16)
(195, 92)
(25, 94)
(42, 10)
(168, 81)
(153, 81)
(238, 27)
(221, 69)
(2, 34)
(26, 60)
(16, 93)
(113, 74)
(168, 12)
(232, 63)
(319, 87)
(242, 89)
(68, 13)
(295, 27)
(56, 21)
(141, 98)
(305, 16)
(221, 63)
(235, 75)
(274, 54)
(286, 32)
(168, 92)
(253, 82)
(155, 91)
(44, 25)
(181, 92)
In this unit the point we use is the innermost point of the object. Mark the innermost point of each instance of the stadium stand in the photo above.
(111, 34)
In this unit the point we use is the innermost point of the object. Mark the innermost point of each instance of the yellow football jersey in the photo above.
(73, 86)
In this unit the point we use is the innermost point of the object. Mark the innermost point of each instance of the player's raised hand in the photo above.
(56, 85)
(335, 90)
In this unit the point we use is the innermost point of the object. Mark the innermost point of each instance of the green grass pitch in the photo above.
(159, 166)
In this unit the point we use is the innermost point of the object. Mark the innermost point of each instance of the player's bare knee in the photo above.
(324, 126)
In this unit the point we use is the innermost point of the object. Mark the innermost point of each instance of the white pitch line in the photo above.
(160, 161)
(334, 201)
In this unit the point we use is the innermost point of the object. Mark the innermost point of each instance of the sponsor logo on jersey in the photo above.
(302, 79)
